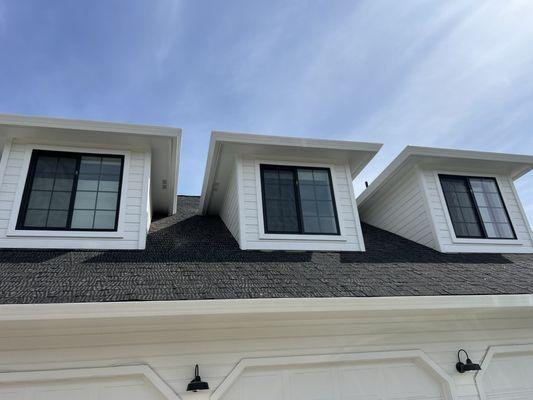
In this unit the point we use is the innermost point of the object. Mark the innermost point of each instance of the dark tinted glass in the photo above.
(298, 200)
(71, 191)
(318, 213)
(461, 207)
(50, 193)
(280, 201)
(491, 208)
(476, 207)
(96, 201)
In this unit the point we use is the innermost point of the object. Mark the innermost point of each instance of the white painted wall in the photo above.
(251, 215)
(229, 212)
(133, 217)
(400, 208)
(172, 347)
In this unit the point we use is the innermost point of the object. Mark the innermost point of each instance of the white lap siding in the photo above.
(254, 238)
(229, 213)
(400, 208)
(134, 223)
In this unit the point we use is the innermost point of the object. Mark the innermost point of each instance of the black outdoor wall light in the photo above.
(197, 383)
(466, 366)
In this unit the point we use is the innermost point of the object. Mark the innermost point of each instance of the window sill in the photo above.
(302, 238)
(65, 234)
(514, 242)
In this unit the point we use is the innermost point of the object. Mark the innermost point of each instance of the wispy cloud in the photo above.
(450, 74)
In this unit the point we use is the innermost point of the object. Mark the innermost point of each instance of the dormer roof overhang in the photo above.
(514, 165)
(224, 148)
(162, 141)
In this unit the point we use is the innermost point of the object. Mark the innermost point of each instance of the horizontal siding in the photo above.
(172, 348)
(13, 178)
(400, 208)
(348, 220)
(229, 212)
(444, 233)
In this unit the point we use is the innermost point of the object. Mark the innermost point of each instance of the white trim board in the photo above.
(149, 309)
(97, 126)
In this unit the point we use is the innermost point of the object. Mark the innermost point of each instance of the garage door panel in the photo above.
(82, 389)
(393, 380)
(310, 384)
(509, 376)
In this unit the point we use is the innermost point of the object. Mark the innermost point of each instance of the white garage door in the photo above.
(120, 388)
(398, 380)
(509, 377)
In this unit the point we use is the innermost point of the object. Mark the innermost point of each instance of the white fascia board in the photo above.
(249, 138)
(442, 153)
(97, 126)
(275, 306)
(219, 137)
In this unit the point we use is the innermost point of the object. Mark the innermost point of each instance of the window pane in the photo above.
(85, 200)
(109, 183)
(111, 166)
(491, 208)
(40, 200)
(106, 201)
(88, 182)
(461, 207)
(318, 215)
(35, 218)
(57, 219)
(280, 201)
(90, 165)
(64, 183)
(327, 225)
(43, 183)
(82, 219)
(104, 220)
(60, 201)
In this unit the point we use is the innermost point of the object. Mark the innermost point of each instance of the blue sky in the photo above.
(450, 74)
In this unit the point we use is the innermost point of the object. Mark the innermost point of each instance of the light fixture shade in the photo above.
(197, 384)
(468, 365)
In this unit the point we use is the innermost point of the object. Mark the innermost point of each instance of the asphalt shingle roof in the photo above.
(195, 257)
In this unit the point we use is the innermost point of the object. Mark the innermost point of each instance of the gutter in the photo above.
(288, 306)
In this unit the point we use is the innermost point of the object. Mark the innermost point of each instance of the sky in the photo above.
(455, 74)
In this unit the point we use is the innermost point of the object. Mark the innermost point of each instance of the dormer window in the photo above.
(71, 191)
(476, 207)
(298, 200)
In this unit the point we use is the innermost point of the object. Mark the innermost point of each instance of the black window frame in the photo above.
(299, 213)
(466, 178)
(29, 183)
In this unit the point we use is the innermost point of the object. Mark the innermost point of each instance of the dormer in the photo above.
(82, 184)
(454, 201)
(285, 193)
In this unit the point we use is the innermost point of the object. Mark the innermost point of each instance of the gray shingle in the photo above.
(194, 257)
